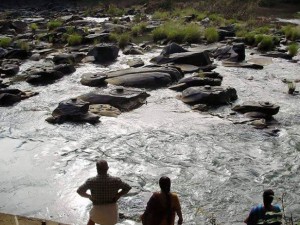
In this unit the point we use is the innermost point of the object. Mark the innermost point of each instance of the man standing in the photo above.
(105, 192)
(267, 213)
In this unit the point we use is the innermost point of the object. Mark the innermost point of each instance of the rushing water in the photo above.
(216, 166)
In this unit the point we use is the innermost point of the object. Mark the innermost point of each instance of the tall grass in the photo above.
(51, 25)
(211, 34)
(121, 39)
(5, 42)
(138, 29)
(74, 39)
(292, 33)
(177, 32)
(161, 15)
(293, 49)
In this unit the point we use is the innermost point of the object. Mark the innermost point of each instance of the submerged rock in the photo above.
(209, 95)
(146, 77)
(122, 98)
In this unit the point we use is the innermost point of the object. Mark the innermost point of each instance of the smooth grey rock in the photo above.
(135, 62)
(194, 82)
(17, 54)
(93, 79)
(146, 77)
(261, 107)
(235, 53)
(64, 59)
(9, 69)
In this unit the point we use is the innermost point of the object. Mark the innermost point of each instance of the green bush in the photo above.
(293, 49)
(74, 39)
(192, 33)
(217, 19)
(33, 27)
(177, 32)
(264, 42)
(114, 11)
(51, 25)
(211, 34)
(161, 15)
(291, 33)
(121, 39)
(250, 38)
(5, 42)
(138, 29)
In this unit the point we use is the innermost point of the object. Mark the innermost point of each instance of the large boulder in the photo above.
(235, 53)
(74, 110)
(104, 53)
(146, 77)
(261, 109)
(172, 48)
(44, 77)
(197, 58)
(17, 54)
(64, 59)
(122, 98)
(209, 95)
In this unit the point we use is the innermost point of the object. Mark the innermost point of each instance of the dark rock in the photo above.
(261, 107)
(131, 50)
(122, 98)
(74, 110)
(192, 58)
(195, 81)
(209, 95)
(242, 65)
(186, 68)
(11, 96)
(9, 69)
(3, 52)
(225, 32)
(172, 48)
(93, 79)
(65, 68)
(98, 38)
(19, 26)
(104, 53)
(64, 59)
(235, 53)
(146, 77)
(17, 54)
(44, 77)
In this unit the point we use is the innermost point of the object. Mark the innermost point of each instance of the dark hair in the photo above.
(165, 186)
(102, 166)
(268, 196)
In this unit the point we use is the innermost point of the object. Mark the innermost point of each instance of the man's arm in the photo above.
(82, 191)
(125, 188)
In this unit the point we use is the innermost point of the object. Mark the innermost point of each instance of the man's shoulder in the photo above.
(112, 178)
(92, 179)
(257, 209)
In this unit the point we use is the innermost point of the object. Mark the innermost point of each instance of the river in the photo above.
(216, 167)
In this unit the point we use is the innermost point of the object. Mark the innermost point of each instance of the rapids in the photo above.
(216, 167)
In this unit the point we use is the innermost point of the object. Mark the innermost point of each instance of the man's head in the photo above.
(102, 166)
(268, 197)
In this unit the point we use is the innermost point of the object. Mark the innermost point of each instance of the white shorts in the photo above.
(105, 214)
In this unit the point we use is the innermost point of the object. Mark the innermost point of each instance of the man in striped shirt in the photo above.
(105, 192)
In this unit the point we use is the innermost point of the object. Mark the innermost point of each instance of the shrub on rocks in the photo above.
(211, 35)
(51, 25)
(293, 49)
(264, 42)
(138, 29)
(74, 39)
(33, 27)
(5, 42)
(292, 33)
(177, 32)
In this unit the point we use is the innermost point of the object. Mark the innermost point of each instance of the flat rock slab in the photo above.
(243, 65)
(93, 79)
(261, 107)
(209, 95)
(104, 110)
(122, 98)
(146, 77)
